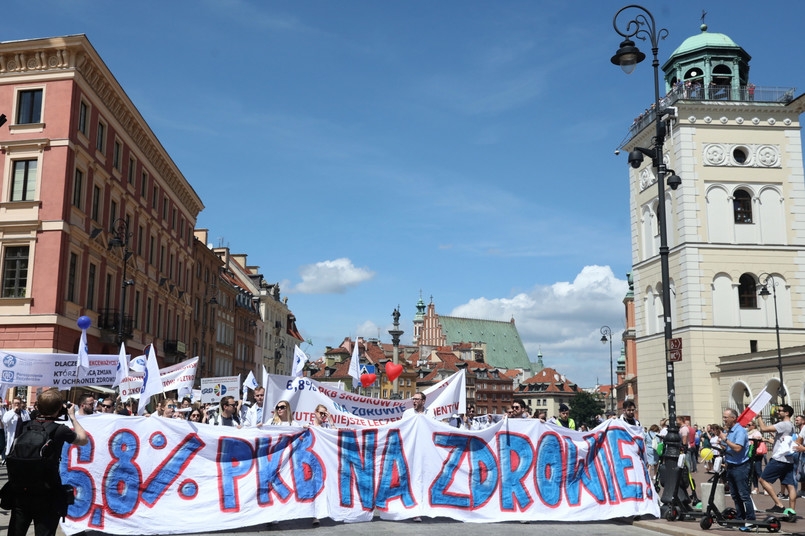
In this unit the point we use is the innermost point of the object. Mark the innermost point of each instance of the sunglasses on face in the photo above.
(323, 413)
(107, 406)
(282, 407)
(229, 405)
(171, 406)
(515, 407)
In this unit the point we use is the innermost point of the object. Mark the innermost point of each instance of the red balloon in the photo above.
(368, 379)
(393, 371)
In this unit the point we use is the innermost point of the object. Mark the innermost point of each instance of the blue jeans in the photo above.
(738, 478)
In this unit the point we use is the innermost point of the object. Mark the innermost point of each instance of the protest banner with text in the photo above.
(55, 370)
(142, 475)
(350, 410)
(179, 377)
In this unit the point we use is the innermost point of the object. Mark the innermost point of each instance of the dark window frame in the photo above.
(29, 106)
(15, 271)
(747, 292)
(28, 179)
(742, 207)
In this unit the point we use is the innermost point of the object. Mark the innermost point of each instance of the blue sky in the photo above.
(359, 151)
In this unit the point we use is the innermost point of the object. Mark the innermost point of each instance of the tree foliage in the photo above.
(584, 408)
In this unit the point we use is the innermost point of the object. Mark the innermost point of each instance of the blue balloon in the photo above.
(84, 322)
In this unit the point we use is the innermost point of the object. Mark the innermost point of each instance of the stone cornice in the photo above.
(75, 53)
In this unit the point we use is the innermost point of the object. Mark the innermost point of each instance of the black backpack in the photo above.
(33, 463)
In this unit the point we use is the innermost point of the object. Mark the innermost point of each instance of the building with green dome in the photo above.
(738, 216)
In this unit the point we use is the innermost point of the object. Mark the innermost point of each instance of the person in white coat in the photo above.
(254, 415)
(13, 416)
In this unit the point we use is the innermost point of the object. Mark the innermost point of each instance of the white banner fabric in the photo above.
(350, 410)
(55, 370)
(179, 376)
(142, 475)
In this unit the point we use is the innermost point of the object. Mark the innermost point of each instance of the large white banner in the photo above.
(350, 410)
(55, 370)
(179, 377)
(143, 475)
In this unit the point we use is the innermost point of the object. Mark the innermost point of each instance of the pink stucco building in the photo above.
(87, 187)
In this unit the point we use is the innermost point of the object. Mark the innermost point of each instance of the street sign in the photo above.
(367, 369)
(675, 344)
(675, 355)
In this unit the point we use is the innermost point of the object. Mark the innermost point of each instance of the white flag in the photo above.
(250, 381)
(137, 364)
(152, 383)
(122, 366)
(299, 360)
(83, 354)
(355, 366)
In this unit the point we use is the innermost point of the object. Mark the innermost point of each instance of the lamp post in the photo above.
(120, 239)
(627, 57)
(764, 293)
(606, 335)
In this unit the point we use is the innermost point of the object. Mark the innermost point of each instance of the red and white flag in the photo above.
(755, 407)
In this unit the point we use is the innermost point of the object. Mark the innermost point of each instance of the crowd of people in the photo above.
(757, 456)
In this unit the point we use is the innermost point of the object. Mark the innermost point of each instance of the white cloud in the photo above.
(368, 330)
(330, 277)
(564, 321)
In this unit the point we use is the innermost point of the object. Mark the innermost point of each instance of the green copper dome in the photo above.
(704, 40)
(707, 66)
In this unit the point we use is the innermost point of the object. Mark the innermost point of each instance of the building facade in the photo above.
(738, 217)
(95, 218)
(494, 342)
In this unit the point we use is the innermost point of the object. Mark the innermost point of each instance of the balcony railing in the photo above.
(109, 320)
(749, 93)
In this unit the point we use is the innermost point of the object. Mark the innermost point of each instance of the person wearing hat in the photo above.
(564, 417)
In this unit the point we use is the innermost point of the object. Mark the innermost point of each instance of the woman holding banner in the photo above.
(283, 415)
(321, 417)
(166, 408)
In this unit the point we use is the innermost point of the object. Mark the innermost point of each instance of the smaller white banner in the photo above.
(351, 410)
(55, 370)
(179, 377)
(213, 389)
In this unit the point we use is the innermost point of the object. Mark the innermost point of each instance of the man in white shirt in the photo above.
(419, 406)
(12, 418)
(254, 415)
(781, 465)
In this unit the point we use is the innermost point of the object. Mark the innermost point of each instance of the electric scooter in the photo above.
(728, 518)
(681, 507)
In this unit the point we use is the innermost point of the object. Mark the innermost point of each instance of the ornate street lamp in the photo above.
(764, 293)
(643, 27)
(606, 335)
(120, 239)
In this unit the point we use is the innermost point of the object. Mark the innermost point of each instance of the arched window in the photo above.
(747, 292)
(742, 206)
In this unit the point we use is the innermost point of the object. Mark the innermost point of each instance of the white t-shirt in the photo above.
(410, 412)
(782, 441)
